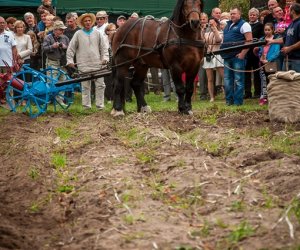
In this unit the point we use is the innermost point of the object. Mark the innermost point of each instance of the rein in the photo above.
(155, 49)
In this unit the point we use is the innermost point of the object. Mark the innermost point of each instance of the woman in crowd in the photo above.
(24, 44)
(213, 37)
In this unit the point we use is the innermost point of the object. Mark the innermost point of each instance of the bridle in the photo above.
(194, 9)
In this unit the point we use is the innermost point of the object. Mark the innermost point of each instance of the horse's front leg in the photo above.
(189, 90)
(180, 90)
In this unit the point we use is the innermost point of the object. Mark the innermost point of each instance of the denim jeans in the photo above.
(292, 65)
(234, 82)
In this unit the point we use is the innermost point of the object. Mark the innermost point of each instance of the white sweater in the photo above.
(24, 46)
(90, 50)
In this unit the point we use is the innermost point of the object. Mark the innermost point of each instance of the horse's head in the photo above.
(192, 11)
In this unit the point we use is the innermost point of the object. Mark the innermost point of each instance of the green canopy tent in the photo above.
(156, 8)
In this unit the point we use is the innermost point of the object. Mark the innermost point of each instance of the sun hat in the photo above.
(121, 17)
(101, 13)
(134, 15)
(83, 16)
(59, 25)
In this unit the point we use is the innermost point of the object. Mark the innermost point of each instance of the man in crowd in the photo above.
(216, 13)
(291, 41)
(30, 23)
(55, 46)
(71, 25)
(101, 21)
(10, 21)
(121, 20)
(91, 52)
(8, 50)
(270, 17)
(236, 30)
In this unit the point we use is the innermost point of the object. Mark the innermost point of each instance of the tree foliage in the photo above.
(225, 5)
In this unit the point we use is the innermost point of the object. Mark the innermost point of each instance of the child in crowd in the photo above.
(267, 53)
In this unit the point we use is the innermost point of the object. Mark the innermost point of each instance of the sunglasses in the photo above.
(100, 18)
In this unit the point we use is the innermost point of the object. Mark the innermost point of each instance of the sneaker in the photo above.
(86, 107)
(263, 101)
(212, 100)
(100, 107)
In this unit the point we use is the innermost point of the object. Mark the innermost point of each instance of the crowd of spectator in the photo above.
(83, 42)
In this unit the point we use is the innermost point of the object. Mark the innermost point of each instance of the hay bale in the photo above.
(284, 96)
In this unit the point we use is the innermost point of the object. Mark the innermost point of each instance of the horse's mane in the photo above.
(177, 16)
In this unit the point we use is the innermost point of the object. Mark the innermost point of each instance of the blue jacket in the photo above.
(232, 36)
(273, 52)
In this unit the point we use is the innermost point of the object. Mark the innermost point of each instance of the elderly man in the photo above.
(270, 17)
(216, 13)
(291, 41)
(236, 30)
(252, 60)
(8, 49)
(101, 21)
(55, 46)
(71, 25)
(30, 23)
(91, 52)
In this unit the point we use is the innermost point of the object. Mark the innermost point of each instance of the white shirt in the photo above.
(101, 29)
(7, 41)
(246, 27)
(24, 46)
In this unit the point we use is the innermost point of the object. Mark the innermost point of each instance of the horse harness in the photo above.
(158, 47)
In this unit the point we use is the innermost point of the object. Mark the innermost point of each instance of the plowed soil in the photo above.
(158, 181)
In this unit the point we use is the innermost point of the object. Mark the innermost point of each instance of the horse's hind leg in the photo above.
(119, 93)
(137, 85)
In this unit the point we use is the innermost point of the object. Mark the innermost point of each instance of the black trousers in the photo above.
(251, 64)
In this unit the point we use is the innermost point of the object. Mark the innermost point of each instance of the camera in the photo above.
(60, 45)
(208, 57)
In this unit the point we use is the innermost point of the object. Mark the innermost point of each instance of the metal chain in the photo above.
(238, 70)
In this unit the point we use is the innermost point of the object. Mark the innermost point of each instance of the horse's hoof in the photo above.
(112, 112)
(146, 109)
(190, 112)
(186, 112)
(118, 113)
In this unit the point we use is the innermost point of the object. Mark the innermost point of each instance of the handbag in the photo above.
(271, 67)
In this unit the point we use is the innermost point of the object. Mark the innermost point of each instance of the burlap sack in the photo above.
(284, 96)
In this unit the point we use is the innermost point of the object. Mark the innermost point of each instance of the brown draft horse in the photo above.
(172, 44)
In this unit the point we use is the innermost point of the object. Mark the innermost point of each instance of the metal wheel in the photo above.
(61, 97)
(28, 92)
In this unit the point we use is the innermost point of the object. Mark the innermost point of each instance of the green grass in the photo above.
(64, 133)
(157, 104)
(59, 161)
(240, 232)
(34, 173)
